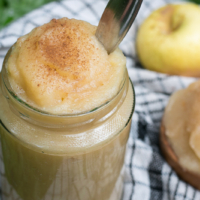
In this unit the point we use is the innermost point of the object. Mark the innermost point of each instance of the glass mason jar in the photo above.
(63, 157)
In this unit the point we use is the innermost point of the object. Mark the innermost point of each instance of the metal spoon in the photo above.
(115, 22)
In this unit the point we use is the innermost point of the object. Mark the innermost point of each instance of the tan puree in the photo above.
(61, 67)
(181, 122)
(62, 70)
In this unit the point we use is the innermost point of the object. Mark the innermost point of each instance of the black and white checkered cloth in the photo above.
(147, 175)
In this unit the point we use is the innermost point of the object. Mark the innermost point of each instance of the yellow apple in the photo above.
(168, 41)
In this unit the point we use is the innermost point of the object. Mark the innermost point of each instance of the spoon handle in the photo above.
(115, 22)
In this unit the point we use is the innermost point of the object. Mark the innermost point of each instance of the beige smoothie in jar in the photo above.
(65, 110)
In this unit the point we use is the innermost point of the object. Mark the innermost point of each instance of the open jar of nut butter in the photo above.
(63, 143)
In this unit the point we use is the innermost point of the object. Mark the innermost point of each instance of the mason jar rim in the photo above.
(88, 148)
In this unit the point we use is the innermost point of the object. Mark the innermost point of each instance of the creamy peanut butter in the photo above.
(61, 68)
(181, 121)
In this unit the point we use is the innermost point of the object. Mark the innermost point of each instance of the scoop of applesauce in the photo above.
(61, 68)
(182, 125)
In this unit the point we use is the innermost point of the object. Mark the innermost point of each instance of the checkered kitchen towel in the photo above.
(147, 175)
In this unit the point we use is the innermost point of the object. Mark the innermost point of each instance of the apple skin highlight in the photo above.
(168, 41)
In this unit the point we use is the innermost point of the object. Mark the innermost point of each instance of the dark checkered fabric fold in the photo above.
(147, 175)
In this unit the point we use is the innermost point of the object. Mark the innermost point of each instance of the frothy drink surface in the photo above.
(61, 68)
